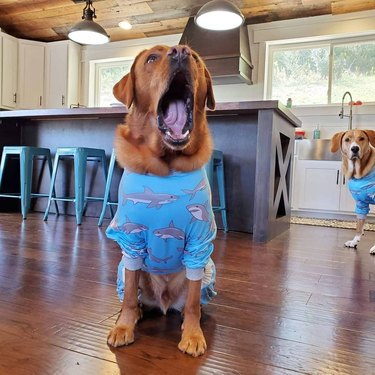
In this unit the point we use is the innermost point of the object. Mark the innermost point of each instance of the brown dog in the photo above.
(145, 144)
(358, 156)
(165, 132)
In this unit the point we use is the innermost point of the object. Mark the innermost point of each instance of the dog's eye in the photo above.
(151, 59)
(361, 138)
(347, 139)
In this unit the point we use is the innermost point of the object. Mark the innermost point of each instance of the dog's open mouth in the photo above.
(175, 112)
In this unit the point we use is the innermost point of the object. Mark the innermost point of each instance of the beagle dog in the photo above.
(358, 164)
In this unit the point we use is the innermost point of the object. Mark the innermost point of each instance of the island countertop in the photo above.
(256, 138)
(226, 108)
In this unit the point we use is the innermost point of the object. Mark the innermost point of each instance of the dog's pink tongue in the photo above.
(175, 118)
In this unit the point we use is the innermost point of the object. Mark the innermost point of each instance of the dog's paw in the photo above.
(120, 335)
(353, 244)
(372, 250)
(193, 343)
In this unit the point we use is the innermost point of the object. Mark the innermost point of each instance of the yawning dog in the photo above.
(358, 156)
(164, 223)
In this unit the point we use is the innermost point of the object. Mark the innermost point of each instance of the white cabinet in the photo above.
(347, 202)
(9, 71)
(321, 186)
(38, 75)
(318, 185)
(62, 74)
(31, 74)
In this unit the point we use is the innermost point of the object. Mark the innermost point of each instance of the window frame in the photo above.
(94, 80)
(322, 42)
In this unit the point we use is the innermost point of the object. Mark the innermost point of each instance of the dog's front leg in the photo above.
(359, 233)
(192, 340)
(123, 332)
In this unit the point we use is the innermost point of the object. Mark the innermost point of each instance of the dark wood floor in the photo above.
(300, 304)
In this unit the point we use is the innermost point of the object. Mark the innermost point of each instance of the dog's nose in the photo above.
(178, 54)
(354, 149)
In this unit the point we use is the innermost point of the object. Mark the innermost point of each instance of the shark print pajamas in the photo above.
(164, 225)
(363, 192)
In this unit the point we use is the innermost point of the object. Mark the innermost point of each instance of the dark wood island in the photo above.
(256, 137)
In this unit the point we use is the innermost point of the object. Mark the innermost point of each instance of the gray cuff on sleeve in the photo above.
(194, 274)
(133, 264)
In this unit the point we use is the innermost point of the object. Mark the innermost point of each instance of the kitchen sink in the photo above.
(316, 149)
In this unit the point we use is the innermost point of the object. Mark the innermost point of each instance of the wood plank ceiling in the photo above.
(50, 20)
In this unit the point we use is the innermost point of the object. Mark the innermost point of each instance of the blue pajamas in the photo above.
(363, 192)
(164, 225)
(207, 289)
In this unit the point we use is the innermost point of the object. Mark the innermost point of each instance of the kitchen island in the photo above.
(256, 137)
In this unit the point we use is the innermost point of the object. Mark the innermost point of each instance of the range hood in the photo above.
(226, 53)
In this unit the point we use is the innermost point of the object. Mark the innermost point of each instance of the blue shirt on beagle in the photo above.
(164, 225)
(363, 192)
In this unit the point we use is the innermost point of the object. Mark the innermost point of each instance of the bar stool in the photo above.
(216, 167)
(81, 155)
(107, 200)
(26, 156)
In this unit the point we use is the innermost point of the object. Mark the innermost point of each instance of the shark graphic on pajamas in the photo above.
(164, 225)
(363, 192)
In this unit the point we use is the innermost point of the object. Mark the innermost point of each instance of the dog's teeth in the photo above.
(186, 133)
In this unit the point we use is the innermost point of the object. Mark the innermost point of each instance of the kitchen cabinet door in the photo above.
(295, 194)
(318, 185)
(347, 203)
(62, 74)
(9, 72)
(31, 75)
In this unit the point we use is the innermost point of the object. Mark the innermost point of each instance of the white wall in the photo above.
(130, 49)
(261, 36)
(125, 49)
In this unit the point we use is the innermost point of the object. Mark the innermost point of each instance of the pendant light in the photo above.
(219, 15)
(88, 31)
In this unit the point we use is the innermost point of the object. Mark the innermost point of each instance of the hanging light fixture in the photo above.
(88, 31)
(219, 15)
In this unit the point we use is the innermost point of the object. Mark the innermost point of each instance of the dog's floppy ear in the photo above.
(210, 99)
(124, 89)
(336, 141)
(371, 136)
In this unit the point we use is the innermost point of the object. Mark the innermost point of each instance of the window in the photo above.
(354, 70)
(301, 74)
(320, 74)
(107, 74)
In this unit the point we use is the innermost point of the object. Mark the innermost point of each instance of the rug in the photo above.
(333, 223)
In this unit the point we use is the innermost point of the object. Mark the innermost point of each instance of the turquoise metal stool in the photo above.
(26, 156)
(216, 167)
(81, 155)
(107, 199)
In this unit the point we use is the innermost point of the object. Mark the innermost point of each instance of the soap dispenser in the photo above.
(316, 133)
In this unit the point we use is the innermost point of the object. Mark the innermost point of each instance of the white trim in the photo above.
(126, 48)
(314, 28)
(94, 82)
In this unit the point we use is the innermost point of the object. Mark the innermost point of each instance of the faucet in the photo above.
(341, 114)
